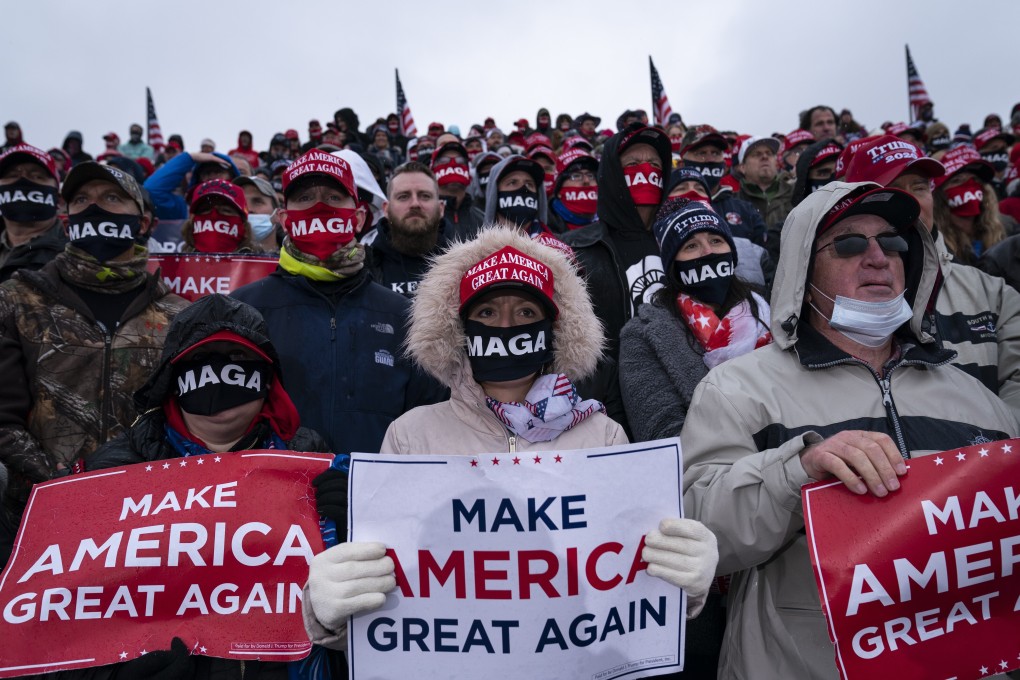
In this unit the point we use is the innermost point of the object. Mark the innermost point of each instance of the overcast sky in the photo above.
(217, 66)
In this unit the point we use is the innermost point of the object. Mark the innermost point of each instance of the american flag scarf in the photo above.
(551, 408)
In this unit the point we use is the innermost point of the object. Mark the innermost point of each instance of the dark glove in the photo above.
(167, 664)
(331, 496)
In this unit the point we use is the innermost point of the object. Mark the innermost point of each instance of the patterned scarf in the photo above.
(340, 265)
(736, 334)
(551, 408)
(81, 269)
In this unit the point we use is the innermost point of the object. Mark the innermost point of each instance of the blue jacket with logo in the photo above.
(340, 355)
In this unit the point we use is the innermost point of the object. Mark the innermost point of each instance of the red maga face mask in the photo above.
(965, 199)
(321, 230)
(451, 172)
(549, 183)
(645, 183)
(214, 232)
(580, 200)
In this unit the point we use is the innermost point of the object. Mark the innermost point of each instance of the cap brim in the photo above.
(83, 174)
(511, 286)
(21, 157)
(896, 207)
(224, 336)
(527, 165)
(653, 137)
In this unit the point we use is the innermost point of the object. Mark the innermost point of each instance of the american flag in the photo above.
(407, 127)
(916, 93)
(660, 102)
(155, 135)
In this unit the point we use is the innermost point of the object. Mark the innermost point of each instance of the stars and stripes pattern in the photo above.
(407, 127)
(660, 102)
(551, 408)
(155, 135)
(916, 93)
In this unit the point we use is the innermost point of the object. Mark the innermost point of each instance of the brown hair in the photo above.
(988, 228)
(411, 166)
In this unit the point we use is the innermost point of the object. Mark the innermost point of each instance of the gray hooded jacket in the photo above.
(752, 417)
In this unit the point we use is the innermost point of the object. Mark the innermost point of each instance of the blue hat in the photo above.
(679, 219)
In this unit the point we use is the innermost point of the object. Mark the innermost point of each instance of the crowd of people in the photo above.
(825, 303)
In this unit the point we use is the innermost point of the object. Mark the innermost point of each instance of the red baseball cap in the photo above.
(110, 136)
(291, 134)
(508, 268)
(883, 159)
(577, 141)
(317, 162)
(229, 191)
(967, 158)
(796, 138)
(846, 156)
(572, 155)
(826, 153)
(702, 135)
(896, 207)
(990, 134)
(27, 152)
(224, 336)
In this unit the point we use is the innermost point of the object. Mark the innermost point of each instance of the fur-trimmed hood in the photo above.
(436, 339)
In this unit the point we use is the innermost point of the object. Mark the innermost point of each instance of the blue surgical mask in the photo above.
(261, 225)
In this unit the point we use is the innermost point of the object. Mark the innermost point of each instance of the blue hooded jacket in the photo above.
(163, 182)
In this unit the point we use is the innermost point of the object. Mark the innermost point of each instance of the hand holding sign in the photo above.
(853, 455)
(349, 579)
(683, 552)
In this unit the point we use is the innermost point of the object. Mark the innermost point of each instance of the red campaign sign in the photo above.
(921, 584)
(212, 549)
(195, 275)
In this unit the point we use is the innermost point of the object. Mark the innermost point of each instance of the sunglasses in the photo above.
(849, 245)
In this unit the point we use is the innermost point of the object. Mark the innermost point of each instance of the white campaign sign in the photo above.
(523, 565)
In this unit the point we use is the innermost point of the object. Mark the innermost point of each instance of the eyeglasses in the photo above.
(581, 175)
(849, 245)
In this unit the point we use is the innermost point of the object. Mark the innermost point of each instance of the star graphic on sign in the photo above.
(166, 466)
(517, 461)
(984, 670)
(495, 461)
(703, 320)
(984, 453)
(474, 463)
(123, 655)
(184, 463)
(1003, 665)
(200, 461)
(216, 459)
(1006, 448)
(961, 456)
(148, 468)
(558, 459)
(202, 649)
(938, 460)
(537, 460)
(142, 652)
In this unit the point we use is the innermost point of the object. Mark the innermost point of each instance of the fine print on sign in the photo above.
(519, 565)
(922, 583)
(213, 549)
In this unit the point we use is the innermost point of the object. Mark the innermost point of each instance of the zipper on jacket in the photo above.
(332, 329)
(890, 411)
(511, 440)
(105, 415)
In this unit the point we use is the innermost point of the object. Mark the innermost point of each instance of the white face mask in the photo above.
(261, 225)
(867, 323)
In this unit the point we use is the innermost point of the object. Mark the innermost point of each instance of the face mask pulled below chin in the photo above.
(867, 323)
(261, 226)
(498, 354)
(26, 201)
(102, 234)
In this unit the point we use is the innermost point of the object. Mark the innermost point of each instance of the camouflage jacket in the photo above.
(66, 383)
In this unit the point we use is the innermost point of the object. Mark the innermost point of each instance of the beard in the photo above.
(416, 233)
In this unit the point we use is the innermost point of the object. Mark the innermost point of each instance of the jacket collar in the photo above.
(816, 352)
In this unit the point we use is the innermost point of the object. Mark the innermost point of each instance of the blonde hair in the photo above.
(988, 227)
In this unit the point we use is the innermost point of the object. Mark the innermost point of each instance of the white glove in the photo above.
(348, 579)
(683, 552)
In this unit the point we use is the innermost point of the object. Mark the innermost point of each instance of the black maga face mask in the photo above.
(712, 172)
(706, 279)
(498, 354)
(26, 201)
(998, 159)
(103, 234)
(519, 206)
(217, 383)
